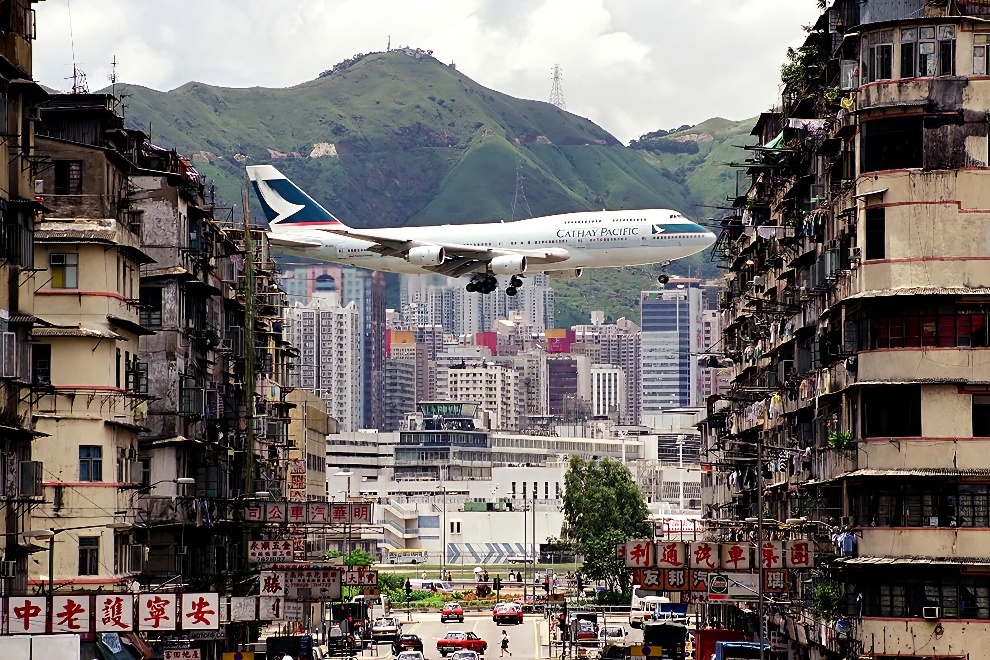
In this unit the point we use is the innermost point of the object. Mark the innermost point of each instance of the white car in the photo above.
(465, 655)
(385, 628)
(612, 635)
(410, 655)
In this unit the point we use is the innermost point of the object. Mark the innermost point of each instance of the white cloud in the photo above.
(629, 65)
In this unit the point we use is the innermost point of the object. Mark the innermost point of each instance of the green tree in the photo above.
(356, 557)
(603, 507)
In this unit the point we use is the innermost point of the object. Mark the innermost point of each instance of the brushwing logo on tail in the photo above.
(281, 208)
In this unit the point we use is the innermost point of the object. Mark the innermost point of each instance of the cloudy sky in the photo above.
(631, 66)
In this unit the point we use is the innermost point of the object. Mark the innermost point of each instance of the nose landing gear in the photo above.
(664, 276)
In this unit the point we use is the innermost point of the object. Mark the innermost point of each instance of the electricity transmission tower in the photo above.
(557, 91)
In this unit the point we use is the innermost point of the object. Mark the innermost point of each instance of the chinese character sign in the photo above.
(361, 513)
(339, 513)
(319, 512)
(670, 554)
(361, 577)
(772, 554)
(297, 513)
(639, 554)
(201, 611)
(735, 556)
(799, 554)
(156, 611)
(704, 555)
(70, 614)
(114, 613)
(677, 579)
(775, 581)
(272, 583)
(181, 654)
(275, 511)
(270, 608)
(254, 513)
(26, 614)
(269, 551)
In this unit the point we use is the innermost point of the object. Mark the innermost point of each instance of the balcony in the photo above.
(933, 541)
(946, 92)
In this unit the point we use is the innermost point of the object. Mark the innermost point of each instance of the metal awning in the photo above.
(920, 472)
(904, 561)
(923, 291)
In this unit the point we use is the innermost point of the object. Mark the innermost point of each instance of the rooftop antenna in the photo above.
(557, 91)
(79, 84)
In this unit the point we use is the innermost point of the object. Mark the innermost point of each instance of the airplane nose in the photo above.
(710, 238)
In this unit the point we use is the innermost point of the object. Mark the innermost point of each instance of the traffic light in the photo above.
(580, 583)
(408, 590)
(497, 583)
(546, 585)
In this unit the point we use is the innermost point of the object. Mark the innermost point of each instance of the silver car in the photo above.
(410, 655)
(465, 655)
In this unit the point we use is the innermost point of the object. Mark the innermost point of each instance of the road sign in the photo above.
(733, 587)
(646, 651)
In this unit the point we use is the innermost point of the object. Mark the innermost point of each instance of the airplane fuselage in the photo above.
(592, 239)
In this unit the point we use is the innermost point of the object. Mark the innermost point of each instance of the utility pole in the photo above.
(759, 542)
(249, 349)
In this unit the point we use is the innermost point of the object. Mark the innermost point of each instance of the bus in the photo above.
(404, 556)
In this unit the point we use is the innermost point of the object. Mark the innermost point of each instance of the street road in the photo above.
(527, 641)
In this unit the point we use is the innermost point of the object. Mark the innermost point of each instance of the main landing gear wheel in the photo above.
(515, 281)
(482, 284)
(510, 291)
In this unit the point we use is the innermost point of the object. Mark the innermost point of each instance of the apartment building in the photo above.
(494, 387)
(309, 425)
(608, 391)
(400, 398)
(670, 376)
(366, 289)
(618, 344)
(329, 339)
(855, 314)
(91, 383)
(21, 487)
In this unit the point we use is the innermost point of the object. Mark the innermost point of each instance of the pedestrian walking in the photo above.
(505, 644)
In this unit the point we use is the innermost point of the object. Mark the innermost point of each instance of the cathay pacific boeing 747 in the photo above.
(559, 245)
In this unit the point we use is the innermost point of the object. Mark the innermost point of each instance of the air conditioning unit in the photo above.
(855, 254)
(135, 470)
(931, 613)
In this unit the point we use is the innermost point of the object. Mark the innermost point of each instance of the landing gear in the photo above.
(482, 284)
(664, 276)
(514, 283)
(510, 291)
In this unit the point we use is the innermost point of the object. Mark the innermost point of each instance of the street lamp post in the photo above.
(347, 498)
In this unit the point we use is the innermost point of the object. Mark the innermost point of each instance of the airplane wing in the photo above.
(280, 238)
(461, 258)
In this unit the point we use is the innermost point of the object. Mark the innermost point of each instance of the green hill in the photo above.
(387, 139)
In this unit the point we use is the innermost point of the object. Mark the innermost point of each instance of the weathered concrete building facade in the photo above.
(856, 314)
(20, 485)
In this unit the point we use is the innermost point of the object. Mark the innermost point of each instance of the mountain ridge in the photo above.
(393, 140)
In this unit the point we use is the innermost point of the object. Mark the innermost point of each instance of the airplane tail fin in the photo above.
(284, 203)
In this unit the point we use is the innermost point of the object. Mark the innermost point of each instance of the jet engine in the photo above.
(426, 255)
(510, 264)
(572, 274)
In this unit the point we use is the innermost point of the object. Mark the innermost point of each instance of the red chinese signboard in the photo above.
(26, 614)
(201, 611)
(639, 554)
(114, 613)
(799, 554)
(703, 555)
(156, 611)
(70, 614)
(670, 554)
